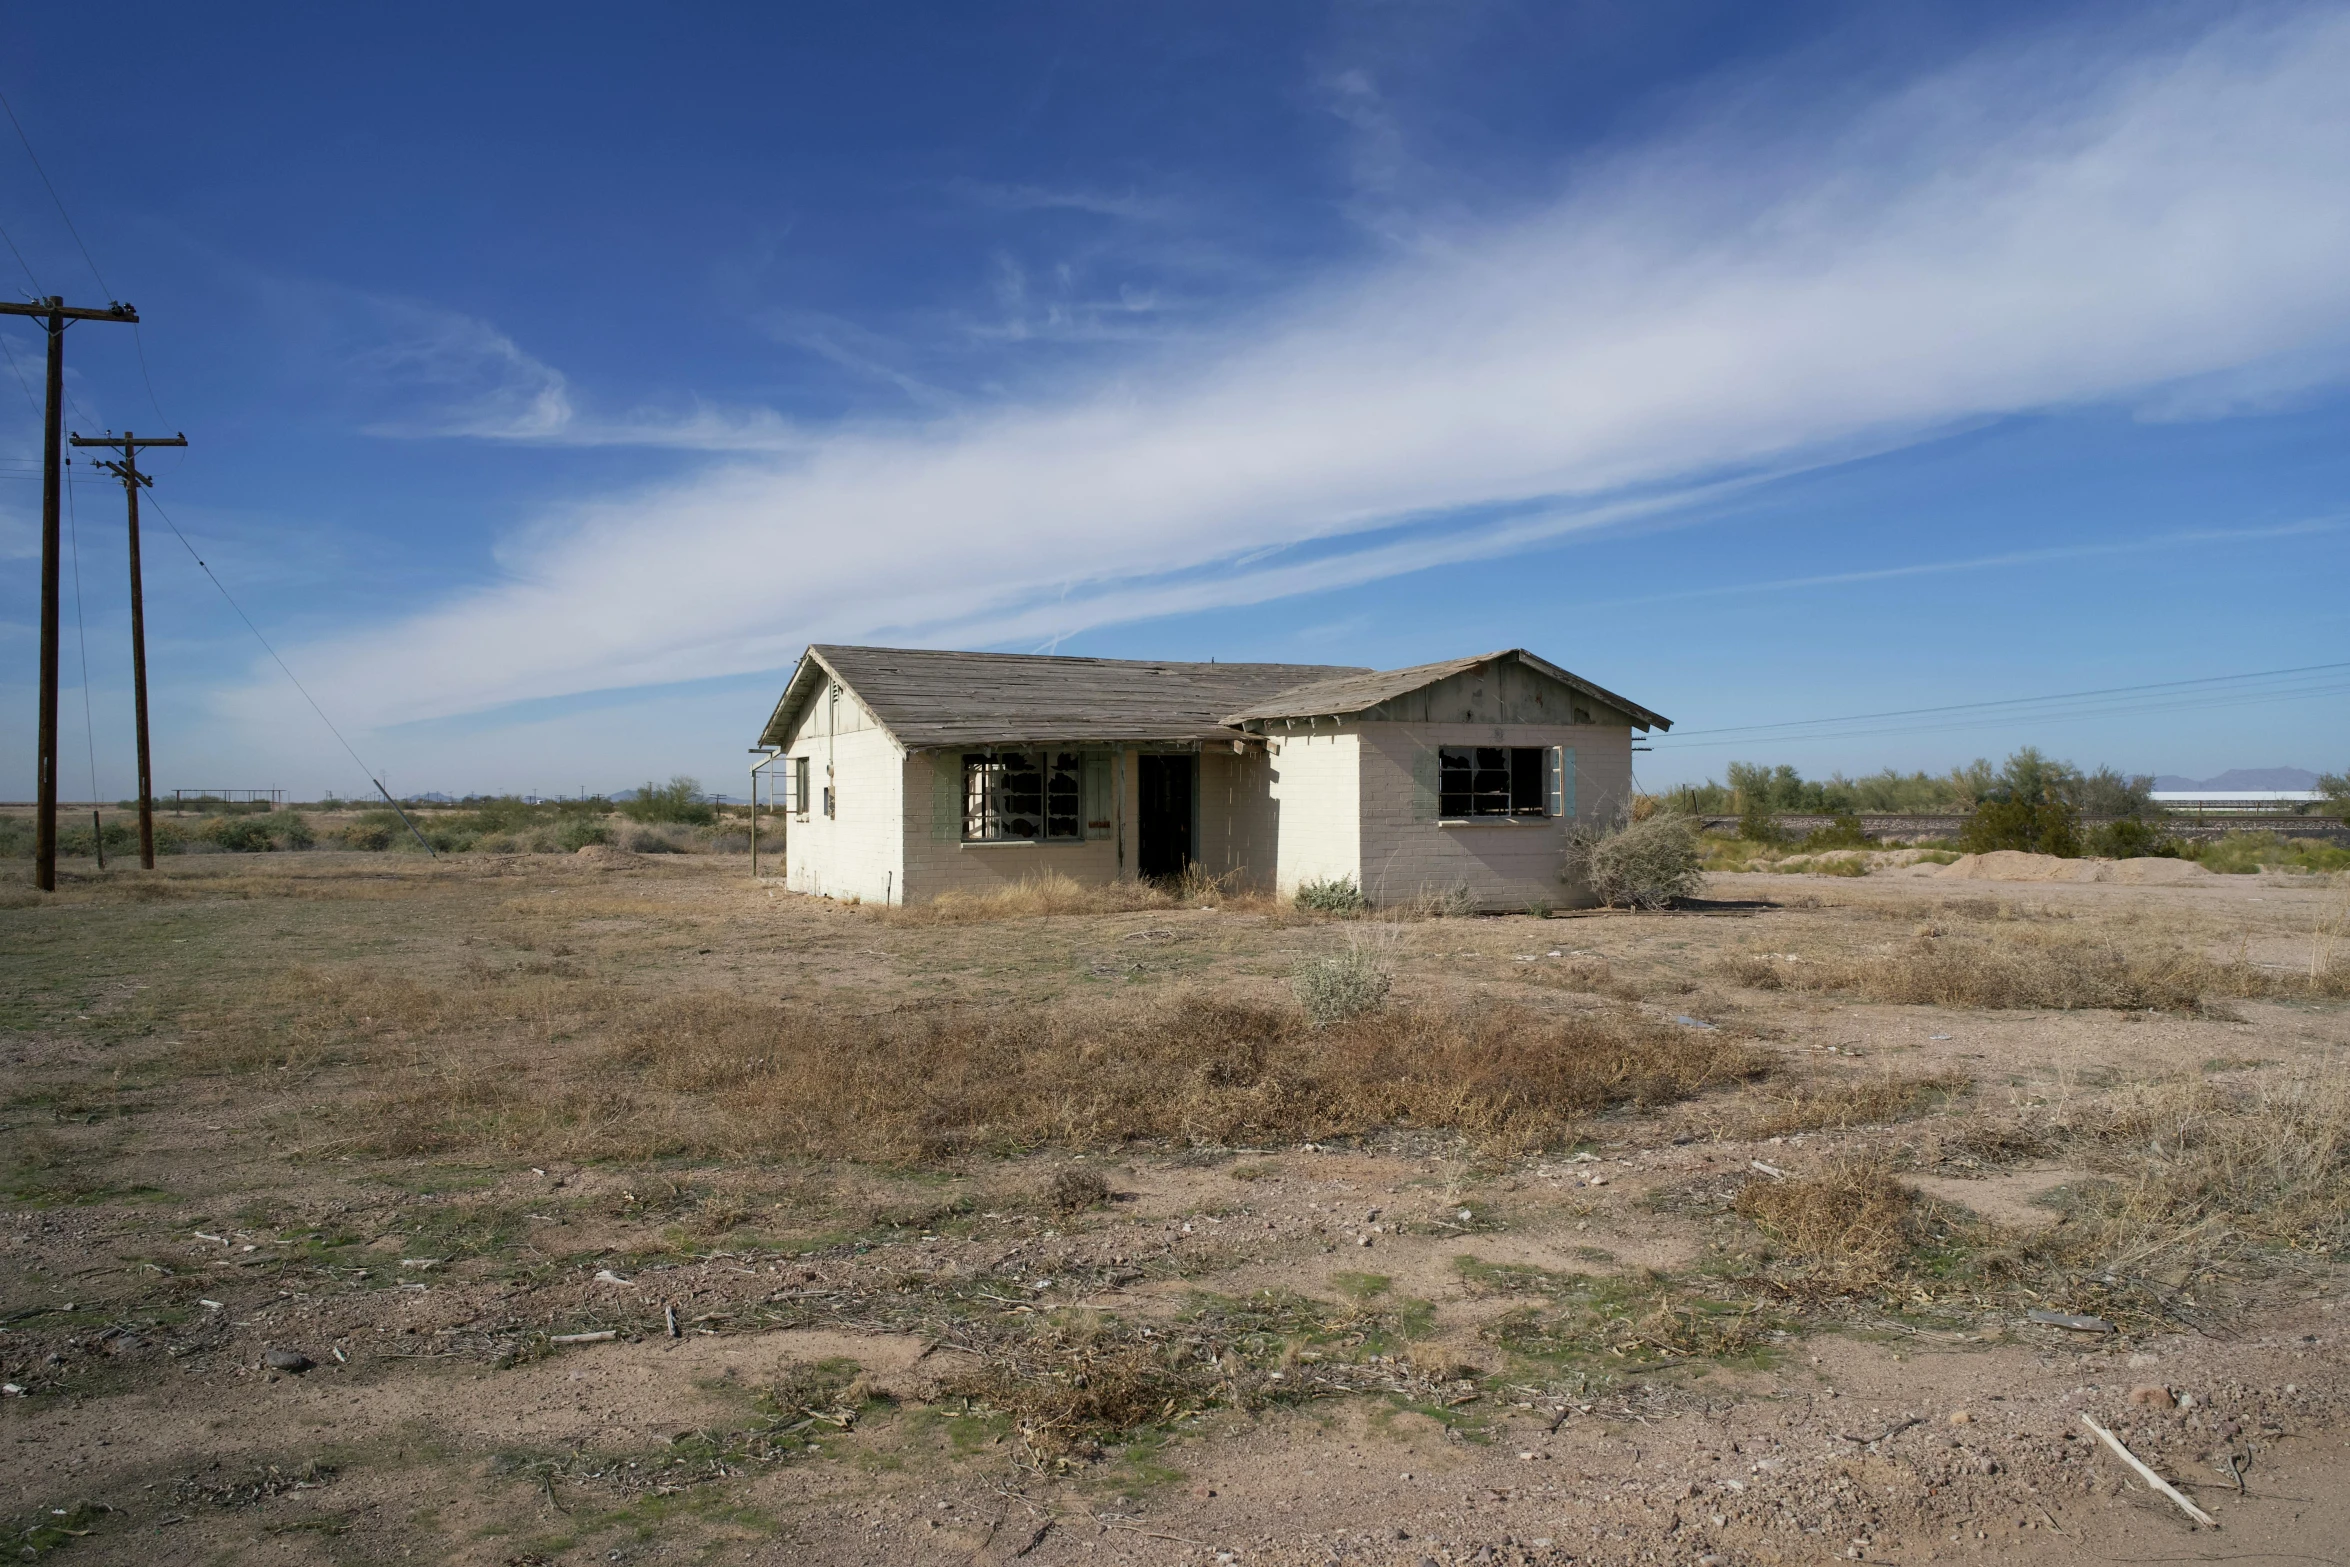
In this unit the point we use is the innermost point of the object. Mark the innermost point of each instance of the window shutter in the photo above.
(1097, 795)
(1562, 780)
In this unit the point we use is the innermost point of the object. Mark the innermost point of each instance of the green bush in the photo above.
(241, 835)
(1842, 833)
(2336, 788)
(578, 832)
(1334, 895)
(1640, 865)
(678, 800)
(1343, 985)
(2244, 853)
(371, 837)
(80, 843)
(2132, 839)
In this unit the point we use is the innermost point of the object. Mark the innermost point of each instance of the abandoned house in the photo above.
(903, 773)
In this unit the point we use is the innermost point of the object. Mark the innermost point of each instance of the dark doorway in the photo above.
(1165, 786)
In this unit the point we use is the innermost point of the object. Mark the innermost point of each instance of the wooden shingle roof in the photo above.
(1357, 691)
(929, 697)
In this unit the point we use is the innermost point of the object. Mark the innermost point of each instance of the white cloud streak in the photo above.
(2030, 232)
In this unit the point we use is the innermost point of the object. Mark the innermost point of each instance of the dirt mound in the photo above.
(2152, 872)
(2015, 865)
(606, 854)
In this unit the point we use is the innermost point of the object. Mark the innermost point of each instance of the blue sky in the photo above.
(554, 374)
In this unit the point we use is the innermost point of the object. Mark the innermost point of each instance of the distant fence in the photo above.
(182, 798)
(1915, 827)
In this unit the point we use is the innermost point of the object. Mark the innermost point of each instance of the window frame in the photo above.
(1494, 784)
(993, 805)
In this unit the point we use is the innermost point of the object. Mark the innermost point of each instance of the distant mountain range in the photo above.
(2241, 778)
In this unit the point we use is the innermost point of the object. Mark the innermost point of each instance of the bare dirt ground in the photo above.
(507, 1152)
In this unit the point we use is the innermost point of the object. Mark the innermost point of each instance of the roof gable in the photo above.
(1359, 692)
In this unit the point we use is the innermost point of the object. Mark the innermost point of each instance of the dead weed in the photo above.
(2013, 966)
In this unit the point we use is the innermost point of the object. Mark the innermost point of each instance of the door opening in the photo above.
(1164, 831)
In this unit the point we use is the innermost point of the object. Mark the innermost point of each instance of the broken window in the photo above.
(1023, 797)
(1498, 780)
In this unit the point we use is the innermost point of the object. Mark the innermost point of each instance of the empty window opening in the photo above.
(1497, 780)
(1023, 797)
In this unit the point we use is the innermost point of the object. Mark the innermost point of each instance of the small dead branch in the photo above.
(2149, 1476)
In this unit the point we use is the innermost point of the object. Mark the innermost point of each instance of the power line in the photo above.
(81, 635)
(2191, 703)
(2013, 701)
(10, 348)
(289, 673)
(20, 260)
(53, 196)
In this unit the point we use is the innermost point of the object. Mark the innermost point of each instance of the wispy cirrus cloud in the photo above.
(2039, 230)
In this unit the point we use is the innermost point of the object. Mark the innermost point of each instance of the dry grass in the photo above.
(2016, 966)
(2196, 1174)
(1839, 1104)
(1850, 1228)
(1056, 893)
(1030, 898)
(565, 1066)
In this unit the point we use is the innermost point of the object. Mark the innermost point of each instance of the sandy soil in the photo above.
(171, 1224)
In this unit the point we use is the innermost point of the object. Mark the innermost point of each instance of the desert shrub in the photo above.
(1844, 832)
(78, 842)
(2036, 826)
(1343, 985)
(730, 840)
(1334, 895)
(2244, 853)
(369, 837)
(1641, 865)
(652, 840)
(578, 832)
(679, 800)
(293, 831)
(1847, 1229)
(1073, 1189)
(2035, 806)
(2017, 967)
(241, 835)
(2336, 789)
(2133, 839)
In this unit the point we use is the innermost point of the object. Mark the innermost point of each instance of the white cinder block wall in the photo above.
(1505, 863)
(857, 851)
(1316, 795)
(938, 860)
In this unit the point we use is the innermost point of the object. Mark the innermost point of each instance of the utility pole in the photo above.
(54, 314)
(127, 471)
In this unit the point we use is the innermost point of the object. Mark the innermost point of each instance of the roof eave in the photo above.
(805, 675)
